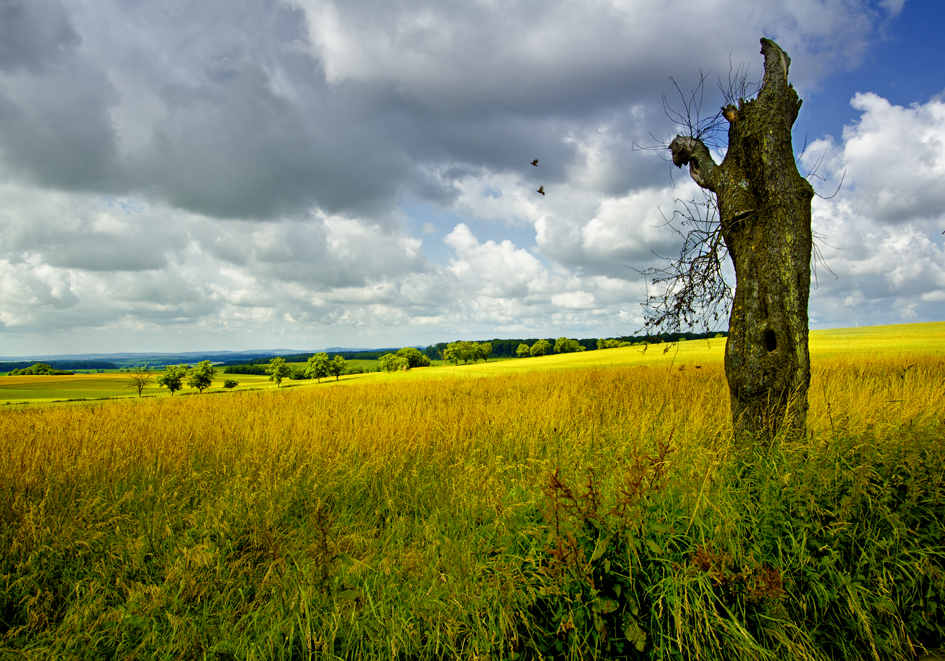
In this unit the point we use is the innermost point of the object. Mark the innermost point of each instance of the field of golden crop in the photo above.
(577, 506)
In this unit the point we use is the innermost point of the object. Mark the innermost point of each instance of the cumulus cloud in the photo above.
(502, 284)
(29, 290)
(501, 270)
(896, 158)
(882, 230)
(258, 110)
(35, 35)
(315, 172)
(94, 234)
(877, 268)
(631, 229)
(528, 56)
(55, 129)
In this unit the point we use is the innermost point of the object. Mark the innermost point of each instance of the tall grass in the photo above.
(574, 513)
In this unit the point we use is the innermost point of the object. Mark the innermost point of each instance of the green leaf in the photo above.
(600, 549)
(633, 633)
(654, 547)
(349, 595)
(605, 606)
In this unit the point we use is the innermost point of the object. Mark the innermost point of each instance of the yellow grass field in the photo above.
(553, 507)
(826, 346)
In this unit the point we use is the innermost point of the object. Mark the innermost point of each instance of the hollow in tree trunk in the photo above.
(765, 214)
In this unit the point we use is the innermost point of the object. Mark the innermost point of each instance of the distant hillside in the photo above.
(125, 360)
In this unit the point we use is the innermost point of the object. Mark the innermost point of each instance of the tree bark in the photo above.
(765, 214)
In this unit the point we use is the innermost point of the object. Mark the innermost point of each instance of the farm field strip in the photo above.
(97, 386)
(905, 340)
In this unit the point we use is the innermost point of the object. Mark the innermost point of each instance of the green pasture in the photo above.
(362, 364)
(108, 385)
(77, 386)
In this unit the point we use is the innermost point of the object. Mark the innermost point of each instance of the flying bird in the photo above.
(535, 162)
(541, 189)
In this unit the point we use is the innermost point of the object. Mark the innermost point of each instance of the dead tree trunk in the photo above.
(765, 214)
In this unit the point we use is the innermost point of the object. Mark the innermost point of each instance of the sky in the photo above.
(189, 175)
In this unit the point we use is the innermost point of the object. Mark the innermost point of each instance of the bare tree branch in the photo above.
(691, 290)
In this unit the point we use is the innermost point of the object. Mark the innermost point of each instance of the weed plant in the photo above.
(590, 513)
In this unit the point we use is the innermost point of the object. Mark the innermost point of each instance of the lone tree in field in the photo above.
(317, 367)
(140, 378)
(172, 376)
(764, 208)
(278, 370)
(202, 377)
(337, 367)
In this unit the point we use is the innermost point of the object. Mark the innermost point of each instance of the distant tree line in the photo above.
(260, 365)
(246, 369)
(461, 351)
(510, 348)
(317, 366)
(58, 365)
(465, 351)
(303, 358)
(39, 369)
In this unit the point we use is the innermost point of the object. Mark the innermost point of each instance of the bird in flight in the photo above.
(535, 162)
(541, 189)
